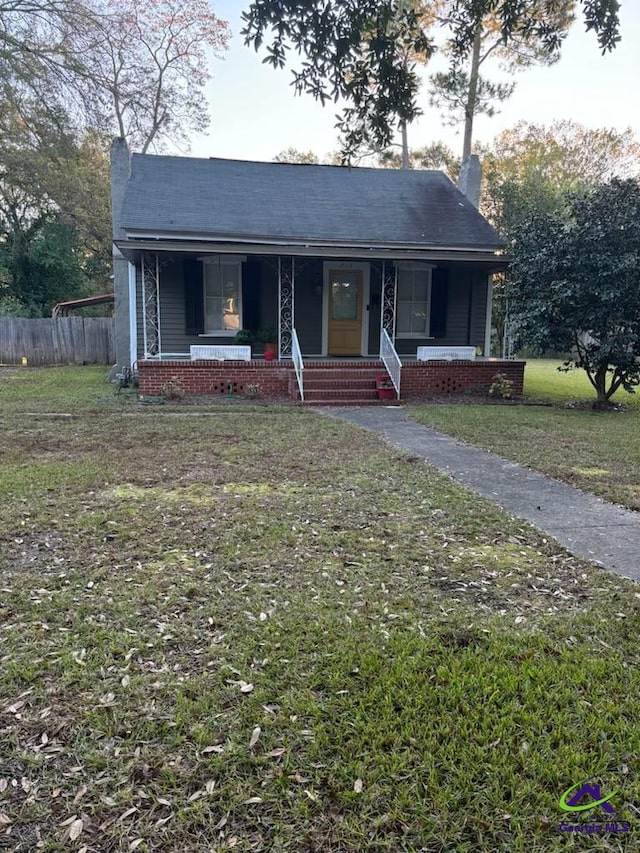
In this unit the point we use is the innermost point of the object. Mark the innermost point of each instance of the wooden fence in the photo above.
(59, 340)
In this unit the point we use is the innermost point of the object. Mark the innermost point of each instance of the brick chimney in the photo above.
(470, 178)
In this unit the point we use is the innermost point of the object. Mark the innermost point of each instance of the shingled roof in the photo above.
(293, 203)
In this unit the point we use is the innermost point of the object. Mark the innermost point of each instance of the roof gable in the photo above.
(285, 202)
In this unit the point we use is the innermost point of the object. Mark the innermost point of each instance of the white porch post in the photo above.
(151, 305)
(389, 298)
(286, 305)
(487, 328)
(133, 317)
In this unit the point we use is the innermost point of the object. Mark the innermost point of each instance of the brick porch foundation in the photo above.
(277, 378)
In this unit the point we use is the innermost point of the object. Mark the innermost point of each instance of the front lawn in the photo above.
(598, 452)
(259, 629)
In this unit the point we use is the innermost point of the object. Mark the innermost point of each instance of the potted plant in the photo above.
(386, 390)
(269, 338)
(245, 337)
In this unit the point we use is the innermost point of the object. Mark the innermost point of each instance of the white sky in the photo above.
(255, 113)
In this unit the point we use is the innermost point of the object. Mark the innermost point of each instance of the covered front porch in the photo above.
(356, 312)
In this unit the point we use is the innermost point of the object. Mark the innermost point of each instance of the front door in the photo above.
(345, 312)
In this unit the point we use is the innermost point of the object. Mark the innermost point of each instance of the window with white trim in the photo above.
(222, 296)
(413, 305)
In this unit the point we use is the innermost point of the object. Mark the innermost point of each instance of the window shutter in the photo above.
(439, 301)
(193, 297)
(251, 274)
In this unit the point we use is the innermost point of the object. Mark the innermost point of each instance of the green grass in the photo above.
(259, 629)
(598, 452)
(543, 381)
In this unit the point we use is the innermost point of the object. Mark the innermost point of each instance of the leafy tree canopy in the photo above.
(361, 51)
(533, 167)
(576, 276)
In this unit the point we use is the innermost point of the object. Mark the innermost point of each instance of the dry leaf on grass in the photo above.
(255, 734)
(276, 753)
(14, 707)
(75, 829)
(357, 786)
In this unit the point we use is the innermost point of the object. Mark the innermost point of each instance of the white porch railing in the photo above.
(298, 364)
(390, 359)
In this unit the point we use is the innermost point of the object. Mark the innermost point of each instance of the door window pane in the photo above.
(344, 297)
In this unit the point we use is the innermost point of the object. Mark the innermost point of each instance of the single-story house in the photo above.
(359, 272)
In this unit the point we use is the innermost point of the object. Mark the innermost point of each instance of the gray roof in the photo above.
(331, 205)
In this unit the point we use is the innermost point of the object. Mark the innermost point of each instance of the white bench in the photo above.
(220, 353)
(446, 354)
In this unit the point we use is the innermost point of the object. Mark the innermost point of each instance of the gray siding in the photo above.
(466, 310)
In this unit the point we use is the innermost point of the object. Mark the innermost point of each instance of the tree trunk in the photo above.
(470, 106)
(601, 386)
(405, 145)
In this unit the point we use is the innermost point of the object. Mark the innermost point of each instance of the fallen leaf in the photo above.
(276, 753)
(357, 786)
(75, 829)
(195, 796)
(217, 748)
(3, 785)
(254, 737)
(81, 792)
(220, 824)
(14, 707)
(252, 800)
(128, 813)
(210, 786)
(135, 844)
(5, 820)
(124, 681)
(246, 688)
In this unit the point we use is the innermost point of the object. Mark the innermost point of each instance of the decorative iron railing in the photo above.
(298, 364)
(390, 359)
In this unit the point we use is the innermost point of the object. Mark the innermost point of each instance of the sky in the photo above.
(255, 113)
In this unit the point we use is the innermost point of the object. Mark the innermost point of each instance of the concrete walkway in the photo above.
(586, 525)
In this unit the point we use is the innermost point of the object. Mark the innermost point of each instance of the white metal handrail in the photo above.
(298, 364)
(390, 359)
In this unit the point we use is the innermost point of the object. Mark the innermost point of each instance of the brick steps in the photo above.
(337, 385)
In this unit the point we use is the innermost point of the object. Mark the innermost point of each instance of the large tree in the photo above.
(530, 170)
(532, 167)
(149, 64)
(464, 91)
(357, 50)
(577, 280)
(54, 208)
